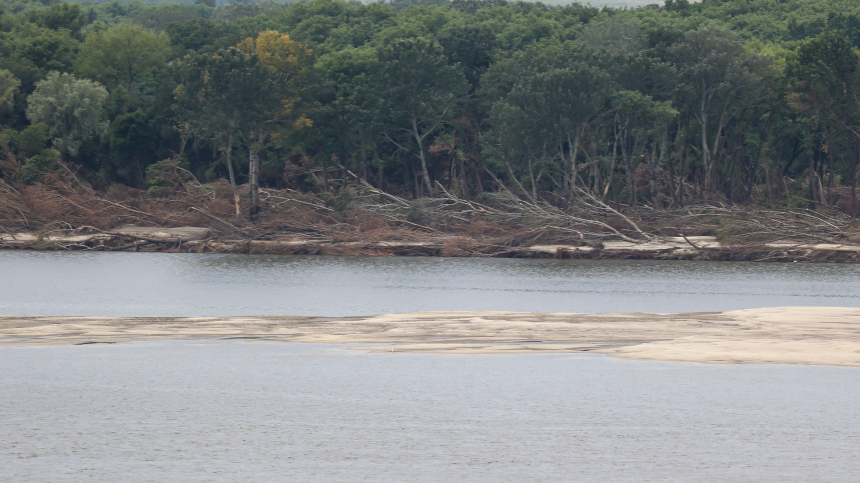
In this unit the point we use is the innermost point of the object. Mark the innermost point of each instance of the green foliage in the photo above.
(71, 108)
(35, 169)
(29, 52)
(131, 135)
(117, 55)
(193, 34)
(827, 76)
(417, 90)
(415, 81)
(401, 4)
(472, 48)
(8, 86)
(729, 100)
(224, 94)
(166, 177)
(547, 108)
(32, 140)
(618, 35)
(58, 16)
(158, 17)
(133, 140)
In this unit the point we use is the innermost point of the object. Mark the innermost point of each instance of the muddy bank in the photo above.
(204, 240)
(66, 214)
(803, 335)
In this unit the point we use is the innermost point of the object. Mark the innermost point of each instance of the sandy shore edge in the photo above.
(200, 240)
(804, 335)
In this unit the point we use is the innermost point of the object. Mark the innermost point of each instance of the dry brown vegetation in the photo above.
(355, 219)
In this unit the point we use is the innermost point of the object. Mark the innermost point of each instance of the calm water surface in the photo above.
(251, 411)
(242, 411)
(159, 284)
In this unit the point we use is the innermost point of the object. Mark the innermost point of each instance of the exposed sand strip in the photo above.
(809, 335)
(190, 239)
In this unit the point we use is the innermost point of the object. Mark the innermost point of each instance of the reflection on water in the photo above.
(159, 284)
(234, 411)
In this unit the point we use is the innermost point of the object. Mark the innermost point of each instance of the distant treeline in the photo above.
(745, 101)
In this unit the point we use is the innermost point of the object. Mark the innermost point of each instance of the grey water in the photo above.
(160, 284)
(252, 411)
(262, 411)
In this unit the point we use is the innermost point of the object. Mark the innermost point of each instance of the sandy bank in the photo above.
(807, 335)
(201, 240)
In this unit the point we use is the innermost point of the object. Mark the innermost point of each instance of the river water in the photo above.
(216, 410)
(161, 284)
(254, 411)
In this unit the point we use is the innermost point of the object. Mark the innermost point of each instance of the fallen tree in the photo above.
(65, 213)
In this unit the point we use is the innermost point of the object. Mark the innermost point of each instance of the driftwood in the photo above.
(64, 213)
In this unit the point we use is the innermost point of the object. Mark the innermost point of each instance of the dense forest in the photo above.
(753, 102)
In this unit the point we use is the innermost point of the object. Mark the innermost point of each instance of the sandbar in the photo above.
(792, 335)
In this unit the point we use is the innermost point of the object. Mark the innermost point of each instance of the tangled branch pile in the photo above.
(359, 216)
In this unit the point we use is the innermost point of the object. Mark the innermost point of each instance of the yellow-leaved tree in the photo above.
(288, 63)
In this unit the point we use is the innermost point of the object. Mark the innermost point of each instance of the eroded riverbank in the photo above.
(804, 335)
(363, 221)
(202, 240)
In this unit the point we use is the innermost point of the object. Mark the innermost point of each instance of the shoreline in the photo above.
(783, 335)
(202, 240)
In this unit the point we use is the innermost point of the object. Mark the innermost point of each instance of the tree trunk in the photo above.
(378, 167)
(343, 164)
(613, 164)
(532, 177)
(419, 139)
(634, 188)
(520, 185)
(630, 168)
(574, 152)
(671, 167)
(324, 159)
(810, 176)
(754, 170)
(655, 165)
(419, 192)
(732, 177)
(769, 185)
(852, 173)
(706, 155)
(254, 173)
(229, 161)
(853, 199)
(464, 182)
(830, 175)
(362, 163)
(478, 182)
(407, 174)
(682, 163)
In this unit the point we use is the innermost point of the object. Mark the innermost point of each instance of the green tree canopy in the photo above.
(117, 55)
(223, 98)
(548, 112)
(418, 91)
(71, 108)
(8, 86)
(825, 76)
(30, 52)
(60, 16)
(716, 80)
